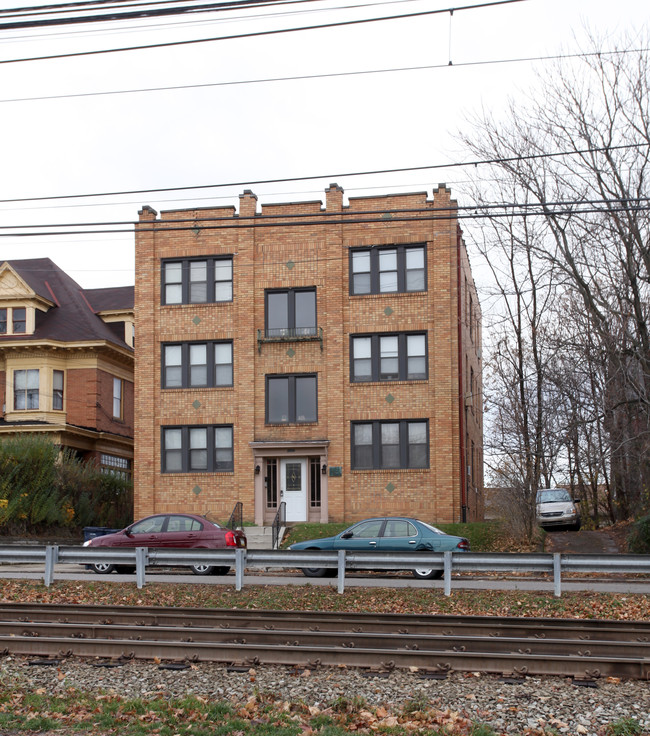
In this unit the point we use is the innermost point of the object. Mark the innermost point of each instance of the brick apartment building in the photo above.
(324, 356)
(66, 362)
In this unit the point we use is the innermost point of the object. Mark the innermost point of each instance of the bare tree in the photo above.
(577, 156)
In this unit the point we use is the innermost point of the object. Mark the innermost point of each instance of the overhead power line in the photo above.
(257, 34)
(348, 218)
(248, 183)
(328, 75)
(155, 13)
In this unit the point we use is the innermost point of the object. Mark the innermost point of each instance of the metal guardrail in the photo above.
(342, 560)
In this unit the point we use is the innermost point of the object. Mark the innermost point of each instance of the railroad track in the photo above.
(436, 645)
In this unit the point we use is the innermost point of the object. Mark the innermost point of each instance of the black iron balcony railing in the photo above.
(290, 334)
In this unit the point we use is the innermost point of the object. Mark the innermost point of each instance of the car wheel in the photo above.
(103, 568)
(576, 526)
(202, 569)
(221, 571)
(425, 573)
(314, 572)
(125, 569)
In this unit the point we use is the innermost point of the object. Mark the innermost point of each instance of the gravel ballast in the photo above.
(509, 707)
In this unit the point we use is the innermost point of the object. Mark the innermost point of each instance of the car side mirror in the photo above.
(347, 535)
(128, 532)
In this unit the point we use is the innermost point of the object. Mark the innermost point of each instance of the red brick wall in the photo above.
(309, 255)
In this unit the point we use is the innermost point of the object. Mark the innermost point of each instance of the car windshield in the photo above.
(553, 495)
(430, 526)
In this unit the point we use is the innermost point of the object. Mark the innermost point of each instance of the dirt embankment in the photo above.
(604, 541)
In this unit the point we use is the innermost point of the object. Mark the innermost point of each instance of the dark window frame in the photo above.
(19, 323)
(374, 253)
(211, 372)
(185, 449)
(376, 445)
(291, 409)
(57, 393)
(375, 356)
(290, 330)
(185, 279)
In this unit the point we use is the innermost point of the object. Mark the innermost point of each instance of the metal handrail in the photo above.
(236, 520)
(279, 521)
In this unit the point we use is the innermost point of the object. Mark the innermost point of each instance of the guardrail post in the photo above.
(51, 558)
(240, 563)
(140, 564)
(341, 570)
(447, 569)
(557, 574)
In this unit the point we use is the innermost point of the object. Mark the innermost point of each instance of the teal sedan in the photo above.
(386, 534)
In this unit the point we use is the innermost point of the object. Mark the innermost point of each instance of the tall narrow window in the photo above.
(198, 282)
(223, 280)
(19, 320)
(26, 390)
(173, 450)
(198, 449)
(57, 390)
(223, 452)
(173, 283)
(3, 321)
(172, 366)
(388, 358)
(198, 364)
(117, 398)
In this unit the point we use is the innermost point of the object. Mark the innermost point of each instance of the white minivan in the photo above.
(556, 508)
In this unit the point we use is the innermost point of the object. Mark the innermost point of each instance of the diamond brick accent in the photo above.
(390, 487)
(196, 404)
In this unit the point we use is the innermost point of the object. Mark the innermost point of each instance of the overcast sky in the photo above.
(330, 126)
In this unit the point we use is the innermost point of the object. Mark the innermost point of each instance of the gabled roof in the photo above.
(73, 316)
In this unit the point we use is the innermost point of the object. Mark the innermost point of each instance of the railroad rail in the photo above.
(434, 644)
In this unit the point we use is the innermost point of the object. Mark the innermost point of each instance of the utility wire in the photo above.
(103, 4)
(257, 34)
(158, 12)
(475, 163)
(237, 224)
(483, 208)
(328, 75)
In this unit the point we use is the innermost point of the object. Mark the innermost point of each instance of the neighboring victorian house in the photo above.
(66, 362)
(327, 357)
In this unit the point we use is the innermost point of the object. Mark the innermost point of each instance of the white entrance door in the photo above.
(293, 487)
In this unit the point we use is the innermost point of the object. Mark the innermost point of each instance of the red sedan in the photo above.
(171, 531)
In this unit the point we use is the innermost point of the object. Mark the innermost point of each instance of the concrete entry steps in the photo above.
(260, 537)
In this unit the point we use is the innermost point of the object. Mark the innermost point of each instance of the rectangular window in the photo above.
(57, 390)
(400, 443)
(117, 398)
(291, 399)
(197, 449)
(291, 313)
(115, 465)
(197, 364)
(26, 390)
(197, 281)
(3, 321)
(388, 270)
(19, 320)
(399, 357)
